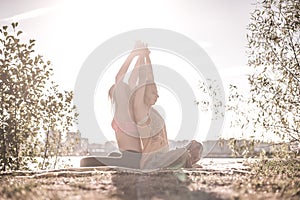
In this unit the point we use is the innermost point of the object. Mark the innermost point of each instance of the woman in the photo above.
(151, 126)
(139, 128)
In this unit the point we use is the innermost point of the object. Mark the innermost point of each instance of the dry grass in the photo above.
(116, 183)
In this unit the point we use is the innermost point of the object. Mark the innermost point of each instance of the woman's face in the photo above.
(151, 94)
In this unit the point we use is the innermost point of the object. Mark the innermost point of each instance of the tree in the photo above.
(274, 54)
(57, 116)
(24, 78)
(211, 100)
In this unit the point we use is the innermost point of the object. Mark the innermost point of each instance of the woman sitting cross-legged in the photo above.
(140, 130)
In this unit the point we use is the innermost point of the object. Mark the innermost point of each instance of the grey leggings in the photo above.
(129, 159)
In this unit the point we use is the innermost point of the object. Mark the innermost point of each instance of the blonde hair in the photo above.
(111, 93)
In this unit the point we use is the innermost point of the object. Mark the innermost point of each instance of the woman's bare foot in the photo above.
(195, 150)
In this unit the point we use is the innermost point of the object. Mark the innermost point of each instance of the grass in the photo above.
(270, 179)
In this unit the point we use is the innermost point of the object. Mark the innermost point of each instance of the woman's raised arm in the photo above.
(120, 75)
(145, 77)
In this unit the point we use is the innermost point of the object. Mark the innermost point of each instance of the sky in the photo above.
(66, 32)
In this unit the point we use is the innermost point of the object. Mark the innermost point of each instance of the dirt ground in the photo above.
(209, 181)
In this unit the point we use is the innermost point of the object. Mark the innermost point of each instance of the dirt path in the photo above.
(212, 181)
